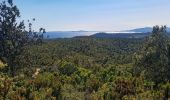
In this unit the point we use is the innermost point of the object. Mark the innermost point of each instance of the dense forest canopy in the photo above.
(84, 68)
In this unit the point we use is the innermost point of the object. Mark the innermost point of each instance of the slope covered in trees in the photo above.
(90, 68)
(80, 68)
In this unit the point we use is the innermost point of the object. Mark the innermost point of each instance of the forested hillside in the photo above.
(82, 52)
(87, 68)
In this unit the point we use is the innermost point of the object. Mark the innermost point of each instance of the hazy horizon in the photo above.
(95, 15)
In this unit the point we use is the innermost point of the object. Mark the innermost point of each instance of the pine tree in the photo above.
(13, 35)
(153, 59)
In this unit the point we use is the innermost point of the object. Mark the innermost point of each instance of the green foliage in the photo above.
(102, 52)
(67, 69)
(68, 92)
(93, 83)
(2, 65)
(13, 35)
(153, 59)
(80, 68)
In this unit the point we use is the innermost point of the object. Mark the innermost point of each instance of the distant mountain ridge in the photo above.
(120, 35)
(67, 34)
(144, 30)
(134, 33)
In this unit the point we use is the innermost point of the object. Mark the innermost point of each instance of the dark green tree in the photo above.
(67, 69)
(153, 59)
(13, 35)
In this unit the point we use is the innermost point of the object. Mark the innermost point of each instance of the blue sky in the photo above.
(95, 15)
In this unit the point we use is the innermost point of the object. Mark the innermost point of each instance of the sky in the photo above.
(95, 15)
